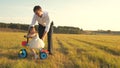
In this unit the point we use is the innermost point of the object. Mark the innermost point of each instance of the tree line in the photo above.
(59, 29)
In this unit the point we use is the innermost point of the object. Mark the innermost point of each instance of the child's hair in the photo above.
(31, 29)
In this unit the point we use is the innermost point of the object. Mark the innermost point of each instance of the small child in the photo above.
(35, 42)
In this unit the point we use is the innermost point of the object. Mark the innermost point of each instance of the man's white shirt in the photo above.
(44, 20)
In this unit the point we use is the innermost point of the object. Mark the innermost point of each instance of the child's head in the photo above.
(32, 30)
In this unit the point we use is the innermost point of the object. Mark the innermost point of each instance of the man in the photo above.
(44, 27)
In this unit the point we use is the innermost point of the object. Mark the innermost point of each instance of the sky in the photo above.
(86, 14)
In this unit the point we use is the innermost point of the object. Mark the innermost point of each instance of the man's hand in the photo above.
(43, 38)
(44, 35)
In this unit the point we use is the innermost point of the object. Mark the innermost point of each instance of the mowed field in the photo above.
(70, 51)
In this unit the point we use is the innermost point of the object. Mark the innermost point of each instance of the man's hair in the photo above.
(37, 8)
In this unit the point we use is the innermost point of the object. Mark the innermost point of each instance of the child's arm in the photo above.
(30, 35)
(27, 34)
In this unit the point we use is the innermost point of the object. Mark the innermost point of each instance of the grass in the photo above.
(70, 51)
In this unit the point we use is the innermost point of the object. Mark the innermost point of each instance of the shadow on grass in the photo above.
(13, 55)
(101, 47)
(62, 49)
(9, 56)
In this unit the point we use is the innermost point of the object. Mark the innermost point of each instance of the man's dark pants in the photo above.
(41, 30)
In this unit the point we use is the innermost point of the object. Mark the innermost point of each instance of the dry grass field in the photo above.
(70, 51)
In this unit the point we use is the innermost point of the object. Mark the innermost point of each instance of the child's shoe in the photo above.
(36, 56)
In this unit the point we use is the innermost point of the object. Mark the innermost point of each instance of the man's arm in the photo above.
(32, 24)
(33, 21)
(47, 26)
